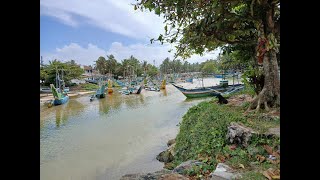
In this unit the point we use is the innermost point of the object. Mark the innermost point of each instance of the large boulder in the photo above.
(185, 166)
(223, 172)
(239, 134)
(165, 156)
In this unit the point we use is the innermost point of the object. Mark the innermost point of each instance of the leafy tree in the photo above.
(70, 71)
(209, 67)
(204, 25)
(101, 65)
(111, 64)
(152, 70)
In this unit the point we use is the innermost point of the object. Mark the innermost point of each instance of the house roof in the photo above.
(87, 67)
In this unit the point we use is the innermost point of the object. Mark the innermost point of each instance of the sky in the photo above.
(84, 30)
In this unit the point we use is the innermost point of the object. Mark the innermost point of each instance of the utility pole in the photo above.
(41, 61)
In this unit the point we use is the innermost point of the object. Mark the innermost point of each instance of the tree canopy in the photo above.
(203, 25)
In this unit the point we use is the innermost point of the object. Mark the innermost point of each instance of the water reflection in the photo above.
(164, 92)
(80, 138)
(104, 108)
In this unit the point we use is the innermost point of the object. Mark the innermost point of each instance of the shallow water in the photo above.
(110, 137)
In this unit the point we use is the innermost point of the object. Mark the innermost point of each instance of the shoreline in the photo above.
(48, 96)
(234, 159)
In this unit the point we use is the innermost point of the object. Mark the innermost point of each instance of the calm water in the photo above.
(110, 137)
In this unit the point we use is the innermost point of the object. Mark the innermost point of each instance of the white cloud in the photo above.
(116, 16)
(87, 55)
(82, 55)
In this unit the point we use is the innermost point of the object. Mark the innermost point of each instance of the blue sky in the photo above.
(83, 30)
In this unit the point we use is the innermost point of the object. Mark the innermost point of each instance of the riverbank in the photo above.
(48, 97)
(225, 142)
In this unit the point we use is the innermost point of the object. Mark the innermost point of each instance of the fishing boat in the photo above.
(209, 91)
(138, 90)
(59, 94)
(189, 80)
(233, 90)
(59, 98)
(110, 89)
(163, 84)
(198, 92)
(100, 93)
(45, 90)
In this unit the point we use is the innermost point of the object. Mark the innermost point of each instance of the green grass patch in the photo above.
(203, 130)
(253, 175)
(89, 87)
(202, 137)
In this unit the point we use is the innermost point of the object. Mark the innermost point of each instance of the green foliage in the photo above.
(89, 87)
(43, 74)
(199, 26)
(70, 71)
(152, 70)
(253, 175)
(202, 136)
(203, 130)
(167, 66)
(210, 67)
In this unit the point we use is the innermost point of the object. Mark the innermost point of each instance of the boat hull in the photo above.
(110, 90)
(200, 94)
(205, 92)
(100, 96)
(61, 101)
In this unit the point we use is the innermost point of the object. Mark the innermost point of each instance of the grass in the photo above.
(89, 86)
(202, 137)
(253, 175)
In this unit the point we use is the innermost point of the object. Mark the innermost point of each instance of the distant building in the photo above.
(89, 73)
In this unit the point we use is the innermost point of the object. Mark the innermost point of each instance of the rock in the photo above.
(173, 176)
(223, 172)
(171, 149)
(186, 166)
(274, 131)
(239, 134)
(171, 141)
(169, 166)
(165, 156)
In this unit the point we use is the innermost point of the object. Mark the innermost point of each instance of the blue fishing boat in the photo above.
(59, 98)
(100, 93)
(59, 94)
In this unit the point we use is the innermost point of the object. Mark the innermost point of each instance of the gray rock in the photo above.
(223, 172)
(274, 131)
(239, 134)
(186, 166)
(165, 156)
(171, 141)
(173, 176)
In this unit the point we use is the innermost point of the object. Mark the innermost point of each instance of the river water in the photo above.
(110, 137)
